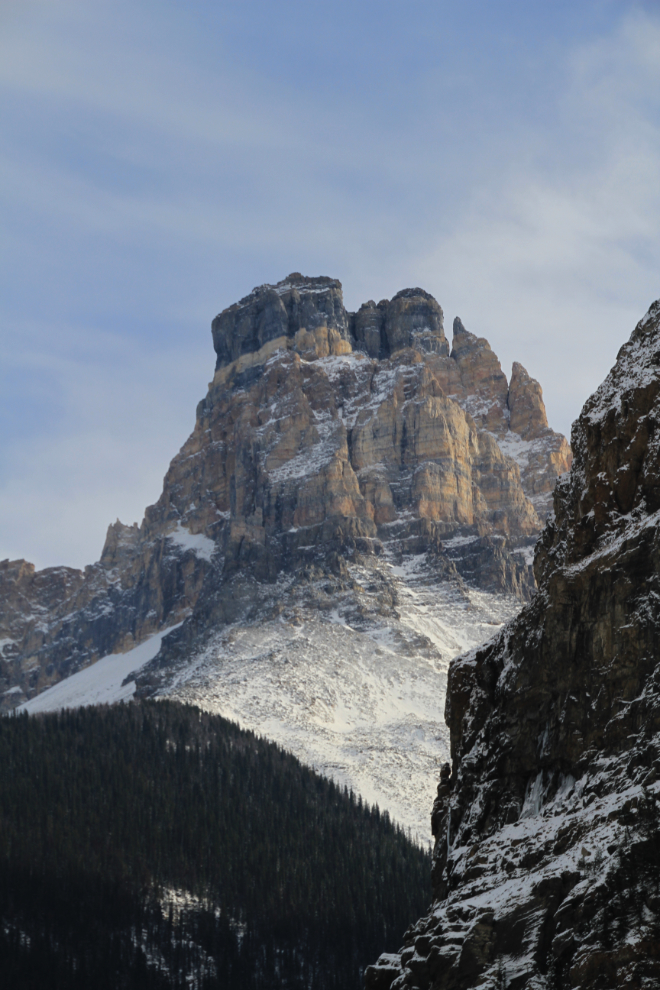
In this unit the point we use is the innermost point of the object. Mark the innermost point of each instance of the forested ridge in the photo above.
(153, 845)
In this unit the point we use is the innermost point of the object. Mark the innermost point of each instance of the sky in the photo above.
(160, 159)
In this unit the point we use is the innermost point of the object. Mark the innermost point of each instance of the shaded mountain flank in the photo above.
(547, 828)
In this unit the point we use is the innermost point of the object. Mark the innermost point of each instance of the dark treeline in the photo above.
(151, 845)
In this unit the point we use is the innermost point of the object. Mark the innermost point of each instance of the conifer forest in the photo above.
(153, 846)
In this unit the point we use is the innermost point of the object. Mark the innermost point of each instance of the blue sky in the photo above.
(159, 159)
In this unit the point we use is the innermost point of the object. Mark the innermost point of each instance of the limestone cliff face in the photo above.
(324, 434)
(55, 621)
(412, 319)
(546, 865)
(28, 600)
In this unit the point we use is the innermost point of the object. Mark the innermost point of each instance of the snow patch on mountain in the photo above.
(102, 683)
(202, 546)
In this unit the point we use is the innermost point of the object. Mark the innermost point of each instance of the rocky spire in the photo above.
(527, 416)
(414, 319)
(296, 460)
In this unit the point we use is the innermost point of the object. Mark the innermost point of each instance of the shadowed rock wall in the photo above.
(546, 863)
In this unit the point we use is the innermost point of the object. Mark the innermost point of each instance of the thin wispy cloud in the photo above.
(159, 160)
(556, 260)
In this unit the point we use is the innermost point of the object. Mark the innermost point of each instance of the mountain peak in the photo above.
(338, 460)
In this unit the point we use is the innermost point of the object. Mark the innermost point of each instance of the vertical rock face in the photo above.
(414, 319)
(546, 866)
(541, 454)
(325, 436)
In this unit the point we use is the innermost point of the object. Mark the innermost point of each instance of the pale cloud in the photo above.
(122, 414)
(556, 261)
(541, 233)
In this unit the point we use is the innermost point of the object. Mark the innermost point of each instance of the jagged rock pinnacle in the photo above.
(526, 407)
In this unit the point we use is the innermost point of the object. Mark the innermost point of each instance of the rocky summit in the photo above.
(547, 852)
(357, 503)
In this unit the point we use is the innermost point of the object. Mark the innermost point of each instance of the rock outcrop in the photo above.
(546, 863)
(325, 436)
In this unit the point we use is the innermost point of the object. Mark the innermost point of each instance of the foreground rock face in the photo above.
(547, 856)
(326, 437)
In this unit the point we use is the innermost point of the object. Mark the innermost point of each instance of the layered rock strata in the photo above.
(325, 436)
(546, 863)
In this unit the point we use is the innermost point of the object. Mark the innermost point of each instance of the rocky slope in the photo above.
(335, 455)
(547, 855)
